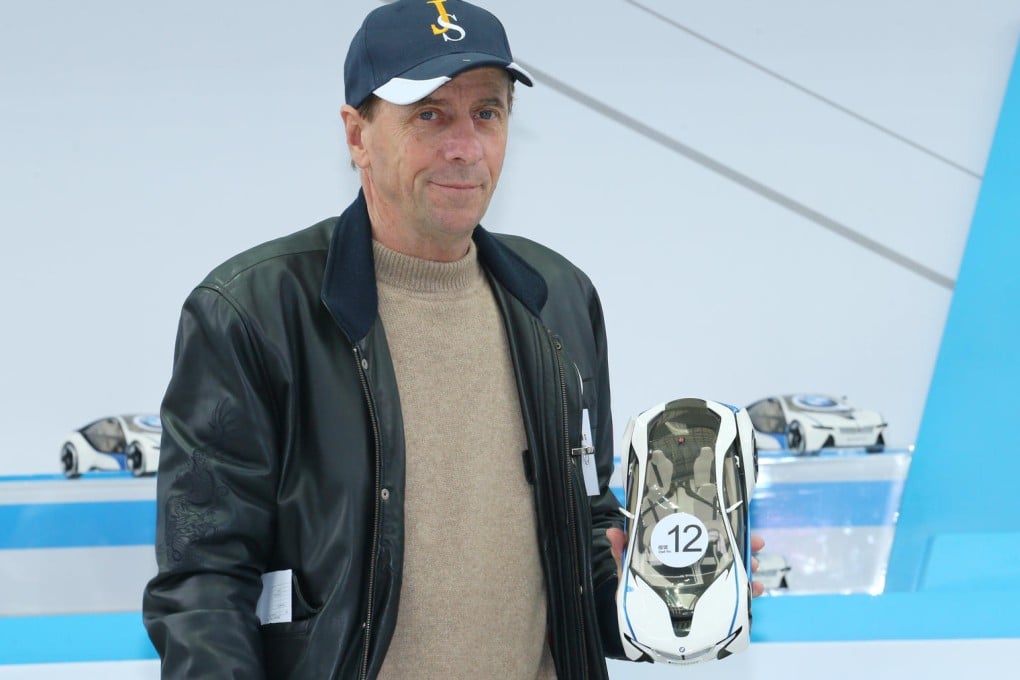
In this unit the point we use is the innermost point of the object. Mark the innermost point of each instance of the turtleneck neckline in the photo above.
(425, 276)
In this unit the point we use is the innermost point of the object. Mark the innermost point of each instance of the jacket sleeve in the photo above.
(215, 497)
(604, 507)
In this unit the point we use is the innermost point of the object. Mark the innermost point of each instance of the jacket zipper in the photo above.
(572, 499)
(369, 610)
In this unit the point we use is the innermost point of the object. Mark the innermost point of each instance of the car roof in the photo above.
(806, 401)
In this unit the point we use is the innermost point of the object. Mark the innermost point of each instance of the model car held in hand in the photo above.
(685, 591)
(807, 423)
(126, 442)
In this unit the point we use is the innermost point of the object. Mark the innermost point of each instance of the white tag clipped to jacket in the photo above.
(274, 605)
(588, 469)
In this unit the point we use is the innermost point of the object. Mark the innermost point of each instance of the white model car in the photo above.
(807, 423)
(128, 442)
(685, 592)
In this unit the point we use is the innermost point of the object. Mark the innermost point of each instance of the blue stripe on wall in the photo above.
(890, 616)
(964, 474)
(75, 525)
(55, 477)
(821, 504)
(825, 504)
(121, 523)
(60, 639)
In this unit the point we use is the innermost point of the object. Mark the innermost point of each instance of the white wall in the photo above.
(770, 196)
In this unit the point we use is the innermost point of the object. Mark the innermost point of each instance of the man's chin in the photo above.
(456, 221)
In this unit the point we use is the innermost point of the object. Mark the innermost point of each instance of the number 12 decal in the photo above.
(688, 547)
(679, 540)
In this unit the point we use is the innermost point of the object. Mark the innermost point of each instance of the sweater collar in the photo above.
(426, 277)
(349, 290)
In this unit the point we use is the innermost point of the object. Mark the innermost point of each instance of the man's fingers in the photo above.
(757, 543)
(617, 541)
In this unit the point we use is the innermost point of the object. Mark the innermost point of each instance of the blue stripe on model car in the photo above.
(736, 601)
(736, 581)
(75, 525)
(826, 504)
(626, 610)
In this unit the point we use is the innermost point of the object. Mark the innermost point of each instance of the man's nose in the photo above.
(462, 141)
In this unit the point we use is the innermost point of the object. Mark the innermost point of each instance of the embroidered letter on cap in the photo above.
(444, 21)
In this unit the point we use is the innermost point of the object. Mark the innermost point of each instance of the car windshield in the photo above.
(105, 435)
(682, 543)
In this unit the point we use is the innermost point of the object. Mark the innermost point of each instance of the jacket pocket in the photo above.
(283, 646)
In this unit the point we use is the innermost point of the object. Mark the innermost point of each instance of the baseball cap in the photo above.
(406, 50)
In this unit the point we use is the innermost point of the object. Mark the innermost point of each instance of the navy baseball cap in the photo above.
(406, 50)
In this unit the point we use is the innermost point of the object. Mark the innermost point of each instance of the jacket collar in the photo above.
(348, 287)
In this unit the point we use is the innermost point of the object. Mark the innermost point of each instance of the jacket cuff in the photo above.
(609, 626)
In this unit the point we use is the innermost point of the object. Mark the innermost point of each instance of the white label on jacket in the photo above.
(590, 472)
(274, 602)
(591, 475)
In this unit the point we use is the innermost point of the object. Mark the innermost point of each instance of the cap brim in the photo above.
(424, 79)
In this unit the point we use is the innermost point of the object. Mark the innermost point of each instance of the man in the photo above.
(384, 412)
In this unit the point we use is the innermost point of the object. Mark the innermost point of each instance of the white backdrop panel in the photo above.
(142, 145)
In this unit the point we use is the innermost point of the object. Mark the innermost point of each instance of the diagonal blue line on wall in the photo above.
(964, 473)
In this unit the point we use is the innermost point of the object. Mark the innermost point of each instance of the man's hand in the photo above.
(618, 539)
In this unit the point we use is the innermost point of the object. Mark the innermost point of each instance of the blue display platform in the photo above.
(794, 618)
(116, 513)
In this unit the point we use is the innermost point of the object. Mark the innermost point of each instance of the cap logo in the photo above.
(445, 23)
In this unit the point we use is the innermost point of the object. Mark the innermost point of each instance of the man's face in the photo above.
(429, 168)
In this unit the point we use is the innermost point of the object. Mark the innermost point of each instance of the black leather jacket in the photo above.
(283, 449)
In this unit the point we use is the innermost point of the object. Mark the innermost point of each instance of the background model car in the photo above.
(126, 442)
(807, 423)
(685, 595)
(772, 571)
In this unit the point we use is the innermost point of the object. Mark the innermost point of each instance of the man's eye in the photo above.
(427, 115)
(487, 115)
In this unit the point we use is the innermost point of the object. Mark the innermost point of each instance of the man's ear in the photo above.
(354, 127)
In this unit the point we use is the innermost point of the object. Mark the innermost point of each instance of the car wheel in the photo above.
(69, 461)
(795, 439)
(136, 460)
(878, 446)
(783, 584)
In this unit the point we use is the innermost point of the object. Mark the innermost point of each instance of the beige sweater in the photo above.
(472, 603)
